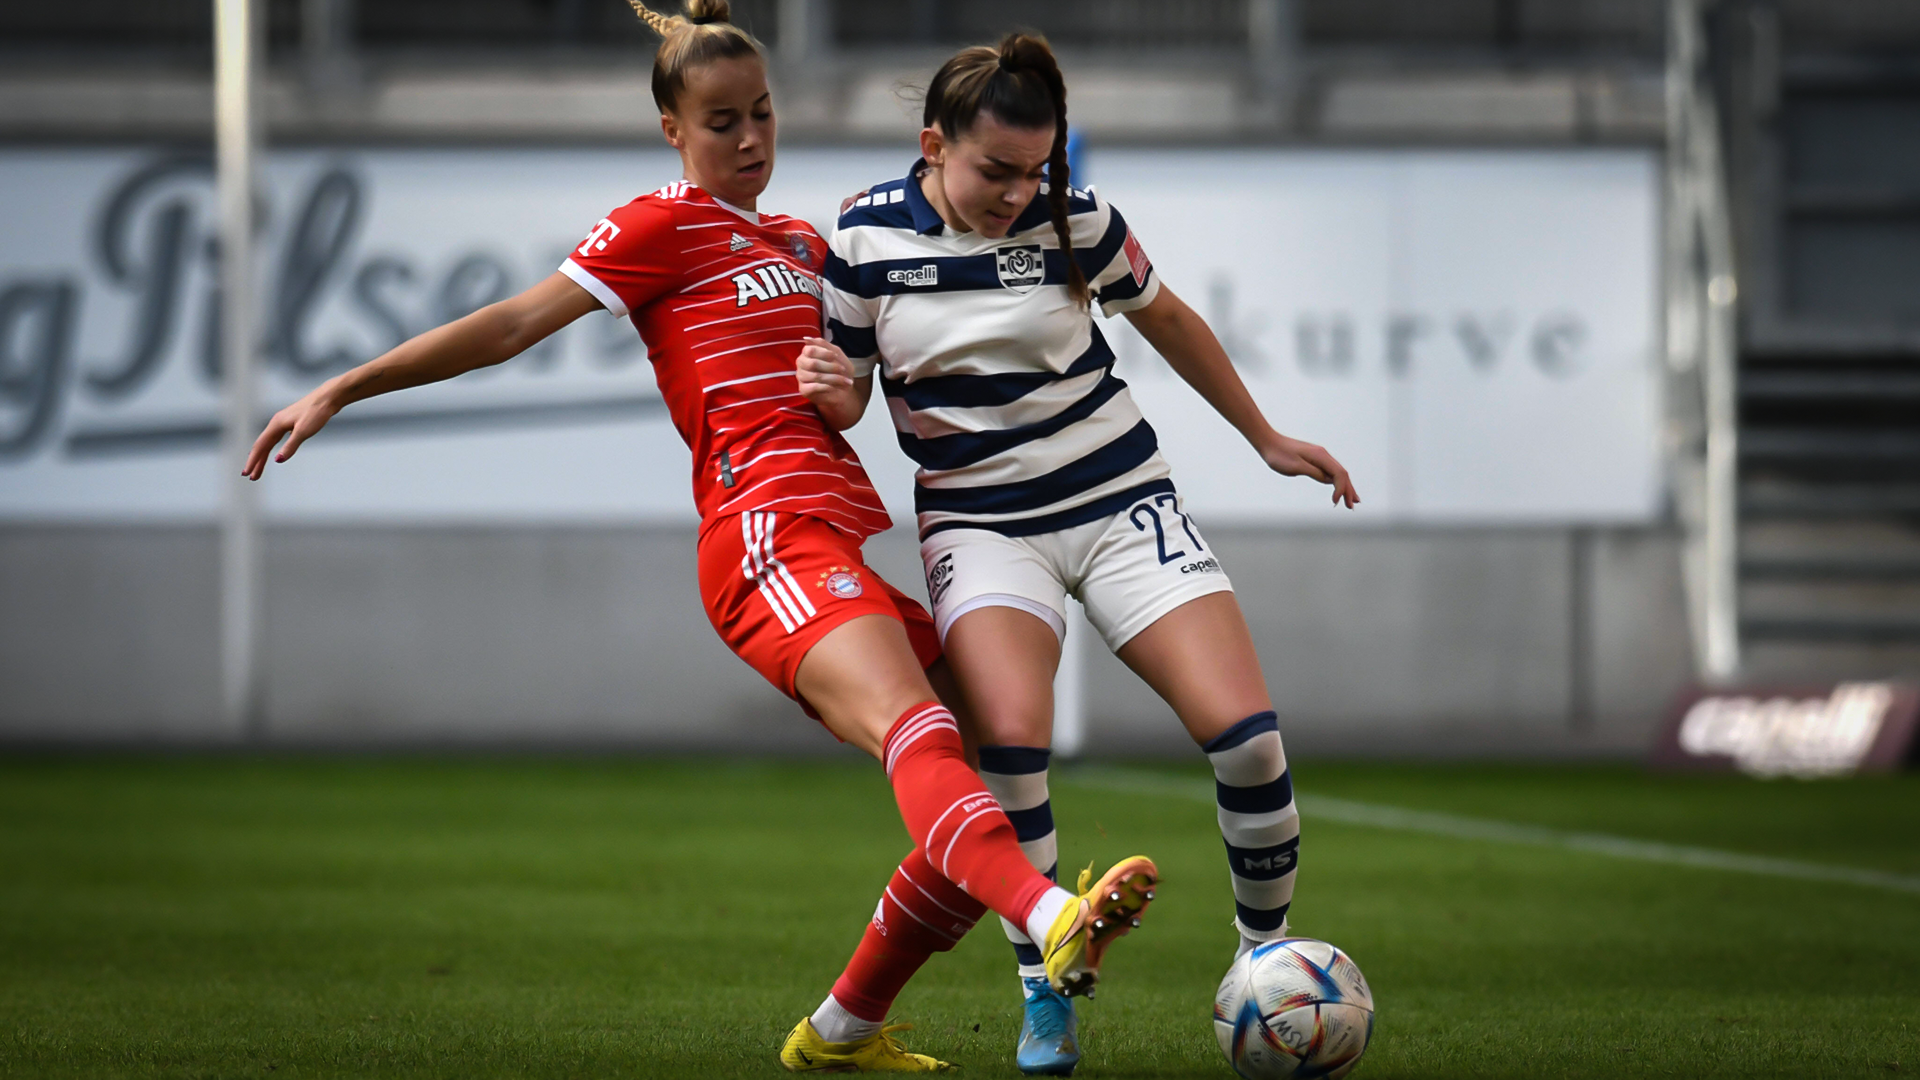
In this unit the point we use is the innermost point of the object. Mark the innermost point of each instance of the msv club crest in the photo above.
(1021, 267)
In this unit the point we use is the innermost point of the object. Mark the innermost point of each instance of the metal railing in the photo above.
(1702, 359)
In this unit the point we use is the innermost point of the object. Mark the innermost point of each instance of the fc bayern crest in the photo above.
(841, 581)
(801, 249)
(1021, 268)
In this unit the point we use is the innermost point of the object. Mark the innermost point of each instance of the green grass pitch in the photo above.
(214, 918)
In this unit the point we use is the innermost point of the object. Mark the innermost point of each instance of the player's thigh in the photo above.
(1000, 606)
(794, 598)
(860, 677)
(1200, 659)
(1159, 597)
(1004, 659)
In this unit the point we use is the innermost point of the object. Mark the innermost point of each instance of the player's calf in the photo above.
(919, 914)
(1017, 776)
(1260, 824)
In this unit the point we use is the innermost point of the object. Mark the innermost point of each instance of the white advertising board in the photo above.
(1471, 332)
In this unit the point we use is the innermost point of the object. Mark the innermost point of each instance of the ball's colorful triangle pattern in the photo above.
(1297, 1009)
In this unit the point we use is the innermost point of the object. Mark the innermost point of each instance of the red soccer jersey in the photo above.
(723, 299)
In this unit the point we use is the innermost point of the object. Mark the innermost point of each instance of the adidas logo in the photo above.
(739, 243)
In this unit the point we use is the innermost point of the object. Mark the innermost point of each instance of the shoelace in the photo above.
(886, 1038)
(1051, 1018)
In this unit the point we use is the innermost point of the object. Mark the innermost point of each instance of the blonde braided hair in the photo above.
(702, 35)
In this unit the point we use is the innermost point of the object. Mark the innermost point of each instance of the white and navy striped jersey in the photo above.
(1000, 386)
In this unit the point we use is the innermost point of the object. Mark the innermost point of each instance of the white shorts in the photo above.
(1128, 569)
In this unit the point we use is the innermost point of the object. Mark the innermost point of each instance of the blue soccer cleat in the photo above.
(1049, 1042)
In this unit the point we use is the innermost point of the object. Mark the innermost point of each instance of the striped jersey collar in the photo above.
(926, 220)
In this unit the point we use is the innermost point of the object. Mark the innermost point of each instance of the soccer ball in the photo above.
(1293, 1008)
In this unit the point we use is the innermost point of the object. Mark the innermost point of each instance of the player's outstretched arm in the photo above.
(827, 380)
(494, 334)
(1183, 337)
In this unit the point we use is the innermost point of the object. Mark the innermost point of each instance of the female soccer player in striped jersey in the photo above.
(725, 298)
(1038, 476)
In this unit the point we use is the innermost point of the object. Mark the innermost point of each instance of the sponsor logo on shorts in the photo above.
(841, 581)
(940, 578)
(1207, 565)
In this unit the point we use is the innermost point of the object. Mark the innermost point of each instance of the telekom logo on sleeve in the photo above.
(597, 239)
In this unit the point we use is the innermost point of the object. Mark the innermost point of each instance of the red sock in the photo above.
(953, 819)
(920, 914)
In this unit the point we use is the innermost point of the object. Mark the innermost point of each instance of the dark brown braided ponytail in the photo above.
(1019, 83)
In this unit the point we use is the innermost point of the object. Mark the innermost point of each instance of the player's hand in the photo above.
(296, 423)
(825, 372)
(846, 204)
(1292, 457)
(827, 380)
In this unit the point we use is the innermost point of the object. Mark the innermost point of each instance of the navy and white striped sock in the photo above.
(1259, 823)
(1017, 776)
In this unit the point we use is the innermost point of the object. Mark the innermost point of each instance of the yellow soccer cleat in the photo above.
(1108, 909)
(806, 1051)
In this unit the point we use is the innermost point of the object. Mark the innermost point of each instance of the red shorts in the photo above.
(775, 584)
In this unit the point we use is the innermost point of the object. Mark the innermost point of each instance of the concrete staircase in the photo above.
(1829, 391)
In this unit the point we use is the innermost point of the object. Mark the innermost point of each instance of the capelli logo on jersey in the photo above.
(924, 276)
(770, 282)
(1020, 268)
(597, 239)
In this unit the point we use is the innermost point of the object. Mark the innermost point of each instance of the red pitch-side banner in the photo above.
(1802, 731)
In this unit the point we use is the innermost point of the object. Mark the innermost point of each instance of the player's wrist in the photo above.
(335, 394)
(1270, 443)
(843, 411)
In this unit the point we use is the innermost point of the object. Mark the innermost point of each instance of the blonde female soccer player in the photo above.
(725, 298)
(970, 284)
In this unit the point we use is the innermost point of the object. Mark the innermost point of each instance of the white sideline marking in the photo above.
(1349, 812)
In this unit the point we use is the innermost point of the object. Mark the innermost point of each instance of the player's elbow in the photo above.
(506, 331)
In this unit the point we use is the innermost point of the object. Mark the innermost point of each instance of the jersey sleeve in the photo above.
(850, 316)
(1117, 268)
(630, 258)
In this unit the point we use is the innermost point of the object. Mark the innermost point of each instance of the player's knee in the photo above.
(1013, 715)
(861, 677)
